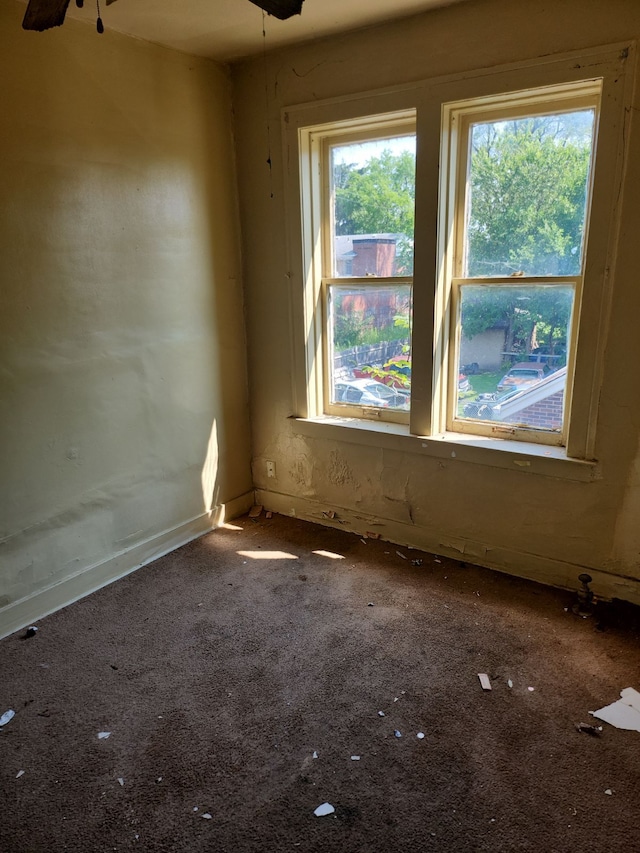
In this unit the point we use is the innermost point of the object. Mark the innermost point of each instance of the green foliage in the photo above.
(349, 331)
(378, 198)
(528, 182)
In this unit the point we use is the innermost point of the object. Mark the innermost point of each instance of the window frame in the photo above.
(427, 430)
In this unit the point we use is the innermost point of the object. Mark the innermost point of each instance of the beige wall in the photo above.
(122, 370)
(534, 524)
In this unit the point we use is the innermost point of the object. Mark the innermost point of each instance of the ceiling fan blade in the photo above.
(282, 9)
(43, 14)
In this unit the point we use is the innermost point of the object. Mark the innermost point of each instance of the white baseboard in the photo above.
(522, 564)
(30, 609)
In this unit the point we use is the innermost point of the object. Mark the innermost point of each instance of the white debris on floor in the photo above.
(324, 809)
(19, 774)
(484, 680)
(623, 714)
(103, 735)
(7, 717)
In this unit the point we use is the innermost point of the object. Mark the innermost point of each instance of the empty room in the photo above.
(320, 438)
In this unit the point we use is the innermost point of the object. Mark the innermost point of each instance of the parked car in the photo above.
(523, 375)
(487, 407)
(368, 392)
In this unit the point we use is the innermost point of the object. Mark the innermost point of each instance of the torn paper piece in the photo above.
(269, 514)
(355, 758)
(509, 683)
(381, 713)
(324, 809)
(19, 774)
(397, 733)
(420, 735)
(121, 781)
(329, 513)
(315, 754)
(372, 535)
(255, 512)
(103, 735)
(484, 680)
(206, 815)
(400, 554)
(7, 717)
(623, 714)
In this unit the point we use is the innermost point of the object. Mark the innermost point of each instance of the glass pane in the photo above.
(513, 354)
(373, 191)
(370, 334)
(528, 182)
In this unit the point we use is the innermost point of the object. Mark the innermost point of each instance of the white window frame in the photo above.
(304, 125)
(457, 119)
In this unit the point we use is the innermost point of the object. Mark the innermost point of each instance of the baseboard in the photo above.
(535, 567)
(29, 610)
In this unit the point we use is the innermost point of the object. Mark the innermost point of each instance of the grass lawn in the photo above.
(481, 383)
(485, 383)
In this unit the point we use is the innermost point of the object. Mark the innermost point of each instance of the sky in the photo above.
(360, 153)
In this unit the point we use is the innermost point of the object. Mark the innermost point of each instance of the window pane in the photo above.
(369, 333)
(528, 182)
(373, 190)
(513, 354)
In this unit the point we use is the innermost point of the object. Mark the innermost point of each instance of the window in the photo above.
(365, 260)
(518, 209)
(456, 241)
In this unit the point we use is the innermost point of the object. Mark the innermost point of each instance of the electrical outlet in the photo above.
(271, 469)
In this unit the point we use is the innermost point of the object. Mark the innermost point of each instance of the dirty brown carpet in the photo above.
(224, 668)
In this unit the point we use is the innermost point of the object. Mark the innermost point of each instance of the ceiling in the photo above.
(230, 29)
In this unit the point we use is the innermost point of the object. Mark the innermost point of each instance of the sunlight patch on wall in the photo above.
(210, 471)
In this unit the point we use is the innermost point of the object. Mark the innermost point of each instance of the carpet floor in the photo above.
(240, 676)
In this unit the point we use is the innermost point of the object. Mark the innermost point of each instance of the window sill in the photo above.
(479, 450)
